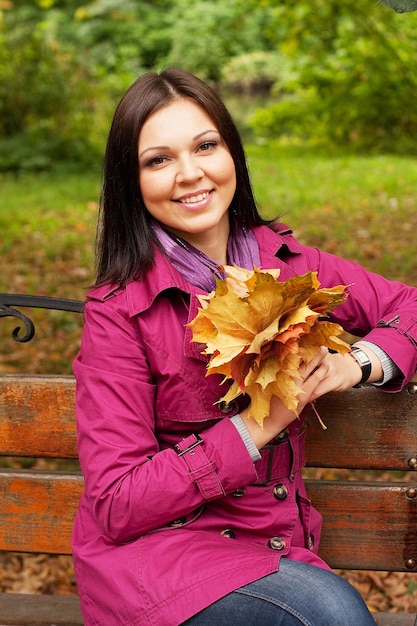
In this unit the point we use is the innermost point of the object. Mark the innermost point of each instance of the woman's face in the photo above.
(187, 175)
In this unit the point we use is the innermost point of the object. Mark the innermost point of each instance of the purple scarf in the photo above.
(199, 269)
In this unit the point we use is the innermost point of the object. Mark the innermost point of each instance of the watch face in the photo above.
(364, 362)
(362, 357)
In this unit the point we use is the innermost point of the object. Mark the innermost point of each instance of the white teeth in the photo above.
(198, 198)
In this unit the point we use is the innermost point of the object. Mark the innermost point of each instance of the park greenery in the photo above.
(323, 92)
(328, 73)
(360, 207)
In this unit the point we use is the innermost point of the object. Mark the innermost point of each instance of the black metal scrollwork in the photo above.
(6, 311)
(10, 300)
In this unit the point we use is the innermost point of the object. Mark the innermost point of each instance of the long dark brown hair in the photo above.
(125, 244)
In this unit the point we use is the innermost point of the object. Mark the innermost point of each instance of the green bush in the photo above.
(252, 72)
(207, 34)
(342, 72)
(55, 106)
(349, 77)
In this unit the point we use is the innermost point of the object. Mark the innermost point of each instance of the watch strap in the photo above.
(364, 362)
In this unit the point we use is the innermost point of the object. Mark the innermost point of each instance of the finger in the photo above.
(309, 368)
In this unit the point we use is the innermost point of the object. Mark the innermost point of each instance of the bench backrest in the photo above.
(366, 488)
(370, 521)
(370, 517)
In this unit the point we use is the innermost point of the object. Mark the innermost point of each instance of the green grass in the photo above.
(362, 208)
(47, 222)
(47, 225)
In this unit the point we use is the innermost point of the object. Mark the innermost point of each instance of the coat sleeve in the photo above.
(131, 484)
(381, 311)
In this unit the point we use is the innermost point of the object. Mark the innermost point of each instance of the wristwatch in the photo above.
(364, 361)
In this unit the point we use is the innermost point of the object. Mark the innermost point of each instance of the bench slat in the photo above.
(366, 429)
(37, 416)
(48, 610)
(367, 525)
(37, 510)
(34, 610)
(395, 619)
(37, 419)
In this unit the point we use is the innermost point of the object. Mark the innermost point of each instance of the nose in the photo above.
(188, 170)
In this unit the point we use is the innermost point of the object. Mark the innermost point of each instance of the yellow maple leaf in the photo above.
(257, 331)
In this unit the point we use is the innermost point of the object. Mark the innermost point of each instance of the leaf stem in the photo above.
(322, 424)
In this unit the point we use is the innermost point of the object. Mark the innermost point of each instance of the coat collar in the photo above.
(274, 246)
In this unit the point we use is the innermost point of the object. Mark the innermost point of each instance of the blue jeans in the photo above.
(299, 593)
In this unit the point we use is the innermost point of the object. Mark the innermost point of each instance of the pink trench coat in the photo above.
(159, 535)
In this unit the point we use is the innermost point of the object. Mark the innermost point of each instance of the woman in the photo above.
(193, 513)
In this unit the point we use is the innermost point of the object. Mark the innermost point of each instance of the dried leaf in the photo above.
(257, 332)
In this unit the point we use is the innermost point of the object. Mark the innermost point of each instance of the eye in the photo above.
(156, 161)
(206, 146)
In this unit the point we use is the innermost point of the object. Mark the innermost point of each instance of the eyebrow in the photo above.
(205, 132)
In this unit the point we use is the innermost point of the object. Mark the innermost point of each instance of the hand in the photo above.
(311, 378)
(343, 372)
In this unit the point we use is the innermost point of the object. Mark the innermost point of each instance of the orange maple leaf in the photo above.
(257, 332)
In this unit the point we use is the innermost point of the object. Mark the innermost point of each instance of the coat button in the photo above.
(226, 407)
(228, 532)
(178, 522)
(238, 493)
(276, 543)
(280, 492)
(282, 437)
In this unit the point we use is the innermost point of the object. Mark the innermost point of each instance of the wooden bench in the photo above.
(369, 524)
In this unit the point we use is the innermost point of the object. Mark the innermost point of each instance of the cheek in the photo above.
(229, 174)
(153, 189)
(222, 171)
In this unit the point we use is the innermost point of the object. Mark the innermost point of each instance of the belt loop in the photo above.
(280, 459)
(297, 453)
(271, 451)
(277, 464)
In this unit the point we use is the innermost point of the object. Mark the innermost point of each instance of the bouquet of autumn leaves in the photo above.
(258, 331)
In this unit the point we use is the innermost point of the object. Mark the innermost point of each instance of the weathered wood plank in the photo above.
(395, 619)
(37, 510)
(36, 610)
(31, 610)
(366, 428)
(37, 416)
(367, 525)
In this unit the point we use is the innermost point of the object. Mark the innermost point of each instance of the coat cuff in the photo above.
(389, 369)
(200, 469)
(240, 425)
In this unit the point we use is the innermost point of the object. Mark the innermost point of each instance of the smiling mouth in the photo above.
(194, 199)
